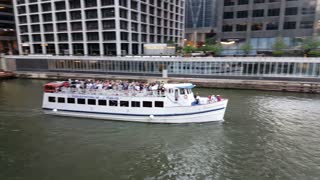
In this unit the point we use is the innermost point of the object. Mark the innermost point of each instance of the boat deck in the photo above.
(112, 92)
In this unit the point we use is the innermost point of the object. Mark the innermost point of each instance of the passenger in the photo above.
(197, 98)
(218, 98)
(213, 98)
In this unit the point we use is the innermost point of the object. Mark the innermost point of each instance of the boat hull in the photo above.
(205, 113)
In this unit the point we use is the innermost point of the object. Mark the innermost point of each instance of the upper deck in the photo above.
(116, 88)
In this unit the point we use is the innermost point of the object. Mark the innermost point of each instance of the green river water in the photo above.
(265, 135)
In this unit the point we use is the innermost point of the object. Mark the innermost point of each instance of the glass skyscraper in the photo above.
(200, 13)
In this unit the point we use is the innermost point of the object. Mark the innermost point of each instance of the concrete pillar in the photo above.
(3, 64)
(117, 21)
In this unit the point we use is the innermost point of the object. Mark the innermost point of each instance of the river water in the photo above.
(265, 135)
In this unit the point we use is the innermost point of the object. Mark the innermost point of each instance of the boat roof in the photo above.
(55, 84)
(180, 85)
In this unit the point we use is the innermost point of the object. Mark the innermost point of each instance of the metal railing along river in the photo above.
(229, 67)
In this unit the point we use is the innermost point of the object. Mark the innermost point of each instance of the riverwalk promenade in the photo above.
(266, 85)
(293, 74)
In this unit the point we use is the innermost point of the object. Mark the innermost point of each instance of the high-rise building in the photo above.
(96, 27)
(200, 19)
(258, 22)
(7, 26)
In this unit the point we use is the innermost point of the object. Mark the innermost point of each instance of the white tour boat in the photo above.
(166, 103)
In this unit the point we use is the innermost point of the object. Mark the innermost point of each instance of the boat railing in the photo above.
(112, 92)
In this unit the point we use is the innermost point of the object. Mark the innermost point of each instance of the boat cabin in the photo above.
(55, 86)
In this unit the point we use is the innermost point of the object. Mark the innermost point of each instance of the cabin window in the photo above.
(52, 99)
(176, 94)
(170, 90)
(147, 103)
(91, 101)
(102, 102)
(113, 103)
(81, 101)
(71, 100)
(158, 104)
(124, 103)
(135, 103)
(182, 91)
(61, 100)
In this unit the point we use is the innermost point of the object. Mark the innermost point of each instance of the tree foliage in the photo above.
(309, 44)
(210, 41)
(213, 49)
(278, 47)
(246, 48)
(188, 49)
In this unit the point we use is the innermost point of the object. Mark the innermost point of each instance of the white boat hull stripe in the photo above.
(155, 115)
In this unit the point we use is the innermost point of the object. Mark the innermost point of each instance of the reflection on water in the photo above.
(266, 135)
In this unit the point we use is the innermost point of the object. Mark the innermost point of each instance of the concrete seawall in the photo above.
(266, 85)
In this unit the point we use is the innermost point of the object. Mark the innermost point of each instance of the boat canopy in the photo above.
(181, 86)
(53, 86)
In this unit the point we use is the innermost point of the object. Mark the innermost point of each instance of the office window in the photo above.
(242, 14)
(257, 27)
(107, 2)
(109, 12)
(291, 11)
(227, 15)
(308, 10)
(289, 25)
(258, 13)
(77, 36)
(258, 1)
(49, 37)
(240, 2)
(306, 25)
(274, 12)
(272, 26)
(241, 27)
(74, 4)
(75, 15)
(229, 2)
(227, 28)
(107, 36)
(274, 1)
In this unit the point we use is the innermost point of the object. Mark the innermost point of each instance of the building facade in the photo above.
(200, 19)
(7, 28)
(260, 22)
(96, 27)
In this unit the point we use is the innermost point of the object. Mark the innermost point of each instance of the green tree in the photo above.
(188, 49)
(278, 47)
(246, 48)
(309, 44)
(214, 49)
(210, 41)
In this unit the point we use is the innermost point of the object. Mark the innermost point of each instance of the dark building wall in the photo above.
(7, 26)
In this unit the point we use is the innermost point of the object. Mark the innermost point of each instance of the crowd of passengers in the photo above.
(126, 85)
(114, 85)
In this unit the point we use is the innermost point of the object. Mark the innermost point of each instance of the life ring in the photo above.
(185, 96)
